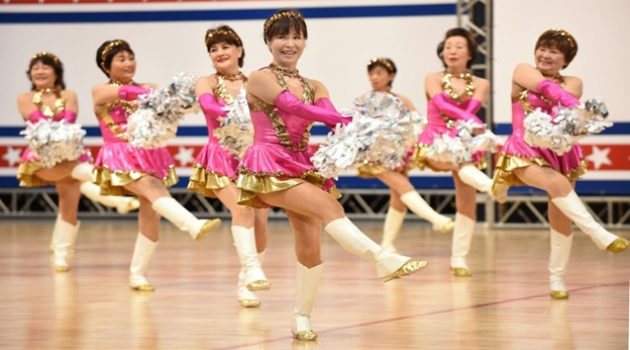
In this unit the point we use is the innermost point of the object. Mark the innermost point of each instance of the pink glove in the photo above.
(453, 111)
(131, 92)
(287, 102)
(210, 105)
(557, 94)
(326, 104)
(69, 116)
(473, 106)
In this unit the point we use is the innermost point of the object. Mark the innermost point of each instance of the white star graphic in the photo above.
(185, 155)
(599, 157)
(12, 156)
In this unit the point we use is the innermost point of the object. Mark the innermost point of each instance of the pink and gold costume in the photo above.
(516, 153)
(30, 163)
(280, 157)
(119, 163)
(215, 167)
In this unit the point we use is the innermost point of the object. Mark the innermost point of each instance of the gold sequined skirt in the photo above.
(27, 177)
(507, 163)
(370, 171)
(420, 159)
(205, 181)
(112, 182)
(251, 184)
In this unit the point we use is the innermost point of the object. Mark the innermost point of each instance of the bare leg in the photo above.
(260, 228)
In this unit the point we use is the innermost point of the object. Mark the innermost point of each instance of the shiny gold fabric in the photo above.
(112, 182)
(250, 184)
(507, 163)
(27, 177)
(206, 181)
(420, 159)
(370, 171)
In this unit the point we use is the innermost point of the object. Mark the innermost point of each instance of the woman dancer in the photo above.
(49, 99)
(214, 173)
(122, 168)
(520, 164)
(455, 94)
(276, 170)
(381, 72)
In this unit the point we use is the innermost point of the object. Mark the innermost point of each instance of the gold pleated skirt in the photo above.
(27, 177)
(205, 181)
(112, 182)
(420, 159)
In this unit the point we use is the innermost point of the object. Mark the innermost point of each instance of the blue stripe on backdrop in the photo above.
(586, 187)
(619, 128)
(210, 15)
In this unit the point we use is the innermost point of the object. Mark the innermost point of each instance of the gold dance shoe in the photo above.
(461, 272)
(618, 246)
(259, 285)
(559, 294)
(249, 303)
(146, 287)
(408, 268)
(447, 227)
(207, 227)
(62, 268)
(305, 336)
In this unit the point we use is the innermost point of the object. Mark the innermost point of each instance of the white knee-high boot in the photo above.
(393, 223)
(388, 265)
(246, 297)
(474, 177)
(245, 243)
(82, 172)
(418, 206)
(558, 259)
(574, 209)
(462, 237)
(307, 281)
(122, 204)
(64, 236)
(174, 212)
(142, 256)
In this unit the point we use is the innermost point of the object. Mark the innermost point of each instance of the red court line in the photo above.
(430, 313)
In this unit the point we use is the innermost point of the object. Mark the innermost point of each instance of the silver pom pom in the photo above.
(54, 142)
(236, 132)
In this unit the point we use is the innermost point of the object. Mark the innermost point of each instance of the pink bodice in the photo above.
(265, 132)
(534, 101)
(112, 120)
(68, 116)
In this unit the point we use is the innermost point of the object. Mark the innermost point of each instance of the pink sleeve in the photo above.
(210, 105)
(556, 93)
(69, 116)
(473, 106)
(289, 103)
(131, 92)
(452, 110)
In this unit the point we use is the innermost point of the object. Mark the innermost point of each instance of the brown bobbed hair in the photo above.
(227, 35)
(470, 40)
(111, 48)
(50, 60)
(282, 21)
(385, 63)
(561, 40)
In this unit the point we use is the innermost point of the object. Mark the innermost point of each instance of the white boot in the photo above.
(574, 209)
(462, 237)
(393, 223)
(246, 297)
(474, 177)
(388, 265)
(122, 204)
(174, 212)
(418, 206)
(307, 281)
(245, 243)
(64, 236)
(142, 255)
(82, 172)
(558, 259)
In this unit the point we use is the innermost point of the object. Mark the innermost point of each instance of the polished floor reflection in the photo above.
(504, 305)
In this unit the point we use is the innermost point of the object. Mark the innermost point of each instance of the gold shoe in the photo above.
(249, 303)
(208, 226)
(460, 272)
(143, 287)
(408, 268)
(62, 268)
(559, 294)
(618, 246)
(259, 285)
(447, 227)
(305, 336)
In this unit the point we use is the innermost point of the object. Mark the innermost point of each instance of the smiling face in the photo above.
(123, 67)
(380, 78)
(549, 59)
(455, 53)
(225, 57)
(287, 48)
(42, 76)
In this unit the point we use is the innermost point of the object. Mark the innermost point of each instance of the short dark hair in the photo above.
(108, 50)
(470, 40)
(225, 34)
(385, 63)
(282, 21)
(50, 60)
(559, 39)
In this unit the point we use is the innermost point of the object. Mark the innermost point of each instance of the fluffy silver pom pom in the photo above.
(54, 142)
(236, 132)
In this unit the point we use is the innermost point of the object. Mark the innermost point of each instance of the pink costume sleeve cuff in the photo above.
(131, 92)
(210, 105)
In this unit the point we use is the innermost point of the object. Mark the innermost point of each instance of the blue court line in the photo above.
(224, 15)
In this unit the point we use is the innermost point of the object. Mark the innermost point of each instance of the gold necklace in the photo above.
(232, 77)
(555, 78)
(291, 73)
(448, 87)
(60, 102)
(115, 82)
